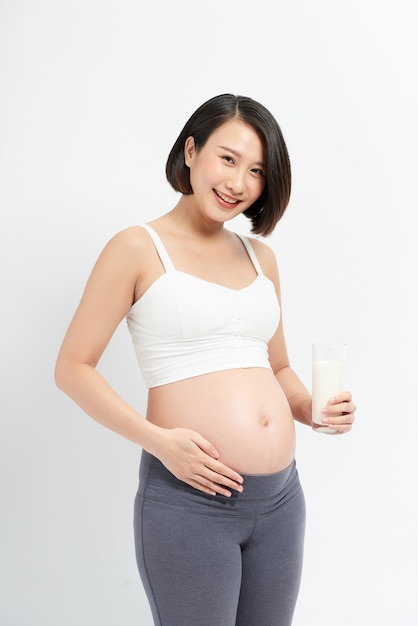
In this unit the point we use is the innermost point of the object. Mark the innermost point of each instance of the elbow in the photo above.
(280, 369)
(64, 373)
(69, 373)
(60, 375)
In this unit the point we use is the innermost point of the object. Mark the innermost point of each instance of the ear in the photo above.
(189, 150)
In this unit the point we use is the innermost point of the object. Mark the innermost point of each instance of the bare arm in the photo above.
(107, 297)
(340, 410)
(119, 276)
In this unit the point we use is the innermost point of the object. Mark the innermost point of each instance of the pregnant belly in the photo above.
(243, 413)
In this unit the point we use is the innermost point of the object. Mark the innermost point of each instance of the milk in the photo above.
(327, 380)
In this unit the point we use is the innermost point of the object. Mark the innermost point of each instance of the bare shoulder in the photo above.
(131, 246)
(131, 239)
(124, 258)
(265, 256)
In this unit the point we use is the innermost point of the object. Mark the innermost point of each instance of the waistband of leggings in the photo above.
(256, 486)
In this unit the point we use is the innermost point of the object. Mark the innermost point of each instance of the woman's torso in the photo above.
(242, 411)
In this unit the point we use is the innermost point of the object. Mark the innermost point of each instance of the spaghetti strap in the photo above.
(251, 253)
(159, 246)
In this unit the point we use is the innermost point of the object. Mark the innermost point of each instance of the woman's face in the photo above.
(227, 174)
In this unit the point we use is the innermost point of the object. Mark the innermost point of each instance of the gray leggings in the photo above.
(217, 561)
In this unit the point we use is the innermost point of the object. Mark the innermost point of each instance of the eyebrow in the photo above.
(239, 155)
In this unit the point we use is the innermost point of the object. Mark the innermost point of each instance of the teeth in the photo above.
(224, 198)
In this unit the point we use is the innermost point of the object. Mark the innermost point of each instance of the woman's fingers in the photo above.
(220, 479)
(340, 412)
(213, 469)
(194, 460)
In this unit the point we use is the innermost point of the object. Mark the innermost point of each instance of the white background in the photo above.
(92, 95)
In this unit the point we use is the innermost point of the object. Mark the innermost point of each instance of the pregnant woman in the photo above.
(219, 513)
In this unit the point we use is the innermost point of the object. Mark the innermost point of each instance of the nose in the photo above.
(236, 181)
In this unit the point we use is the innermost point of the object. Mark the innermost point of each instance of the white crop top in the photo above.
(184, 326)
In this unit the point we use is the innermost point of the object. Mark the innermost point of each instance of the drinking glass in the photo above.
(328, 361)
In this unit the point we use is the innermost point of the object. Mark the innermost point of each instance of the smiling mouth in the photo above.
(226, 199)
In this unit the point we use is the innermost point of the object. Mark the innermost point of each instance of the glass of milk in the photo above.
(327, 379)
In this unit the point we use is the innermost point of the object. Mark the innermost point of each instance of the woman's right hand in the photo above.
(194, 460)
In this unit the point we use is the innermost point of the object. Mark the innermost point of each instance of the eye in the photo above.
(228, 159)
(257, 171)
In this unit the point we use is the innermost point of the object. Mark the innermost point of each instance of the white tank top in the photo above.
(184, 326)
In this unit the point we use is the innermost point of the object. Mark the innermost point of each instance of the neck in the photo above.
(186, 216)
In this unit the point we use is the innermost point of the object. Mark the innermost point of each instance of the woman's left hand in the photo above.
(339, 413)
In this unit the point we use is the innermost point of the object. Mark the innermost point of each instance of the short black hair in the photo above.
(270, 206)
